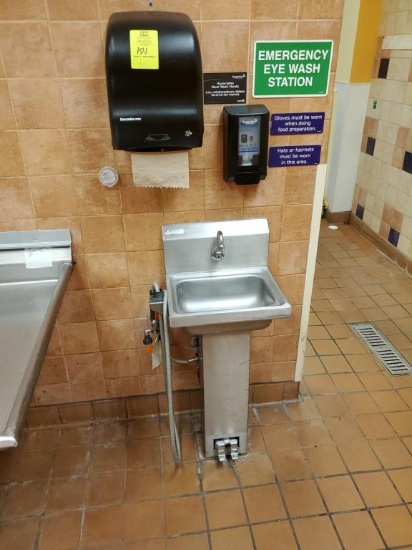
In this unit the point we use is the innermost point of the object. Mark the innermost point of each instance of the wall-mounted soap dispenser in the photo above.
(154, 81)
(245, 143)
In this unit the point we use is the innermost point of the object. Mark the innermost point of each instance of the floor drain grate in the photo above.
(384, 351)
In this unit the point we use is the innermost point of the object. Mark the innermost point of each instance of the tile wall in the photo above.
(383, 194)
(54, 139)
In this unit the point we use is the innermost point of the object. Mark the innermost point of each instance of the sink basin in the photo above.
(225, 301)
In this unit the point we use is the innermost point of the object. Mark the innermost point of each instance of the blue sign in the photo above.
(296, 123)
(294, 155)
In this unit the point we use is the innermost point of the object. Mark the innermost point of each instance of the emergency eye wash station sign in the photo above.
(298, 68)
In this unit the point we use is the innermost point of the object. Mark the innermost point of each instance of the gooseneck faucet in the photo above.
(218, 252)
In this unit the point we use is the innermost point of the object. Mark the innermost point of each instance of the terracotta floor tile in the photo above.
(19, 534)
(75, 435)
(340, 494)
(313, 365)
(290, 465)
(39, 440)
(325, 461)
(325, 347)
(187, 447)
(389, 401)
(395, 524)
(303, 410)
(344, 429)
(144, 520)
(34, 465)
(360, 403)
(374, 381)
(331, 405)
(350, 346)
(318, 333)
(178, 520)
(320, 383)
(144, 483)
(225, 509)
(339, 331)
(265, 534)
(189, 542)
(279, 437)
(256, 443)
(403, 481)
(109, 431)
(103, 526)
(108, 456)
(335, 363)
(312, 433)
(316, 533)
(8, 466)
(298, 506)
(105, 489)
(180, 481)
(362, 363)
(406, 395)
(272, 415)
(357, 531)
(218, 475)
(347, 382)
(143, 452)
(376, 489)
(66, 493)
(72, 461)
(255, 469)
(392, 453)
(144, 427)
(53, 527)
(232, 539)
(25, 499)
(330, 318)
(401, 421)
(264, 503)
(358, 456)
(375, 426)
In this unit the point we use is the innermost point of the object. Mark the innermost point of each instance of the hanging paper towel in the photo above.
(161, 169)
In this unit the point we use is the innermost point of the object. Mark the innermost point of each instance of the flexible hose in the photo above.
(164, 333)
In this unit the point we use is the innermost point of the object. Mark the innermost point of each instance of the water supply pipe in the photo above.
(164, 338)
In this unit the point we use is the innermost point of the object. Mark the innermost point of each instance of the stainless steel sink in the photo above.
(225, 301)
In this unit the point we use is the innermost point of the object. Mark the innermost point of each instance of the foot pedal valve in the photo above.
(226, 447)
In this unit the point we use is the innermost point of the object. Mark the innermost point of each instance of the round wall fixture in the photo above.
(108, 176)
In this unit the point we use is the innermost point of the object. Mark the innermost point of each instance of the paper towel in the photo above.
(162, 169)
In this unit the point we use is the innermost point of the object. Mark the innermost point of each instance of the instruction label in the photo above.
(296, 123)
(292, 68)
(296, 155)
(144, 49)
(224, 88)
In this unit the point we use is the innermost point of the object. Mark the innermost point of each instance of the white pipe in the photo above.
(164, 333)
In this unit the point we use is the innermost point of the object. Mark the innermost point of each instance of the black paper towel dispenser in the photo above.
(154, 81)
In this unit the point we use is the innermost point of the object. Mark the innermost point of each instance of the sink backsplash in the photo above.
(188, 247)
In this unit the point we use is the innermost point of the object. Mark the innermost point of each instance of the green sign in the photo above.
(292, 68)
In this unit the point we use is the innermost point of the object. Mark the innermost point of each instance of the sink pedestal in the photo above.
(226, 358)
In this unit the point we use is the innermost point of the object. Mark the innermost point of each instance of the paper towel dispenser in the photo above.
(154, 81)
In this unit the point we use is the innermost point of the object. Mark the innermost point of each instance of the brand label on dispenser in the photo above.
(144, 49)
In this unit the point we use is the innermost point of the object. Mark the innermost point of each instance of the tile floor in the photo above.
(332, 470)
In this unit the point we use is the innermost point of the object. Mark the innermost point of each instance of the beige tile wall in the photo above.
(54, 139)
(383, 188)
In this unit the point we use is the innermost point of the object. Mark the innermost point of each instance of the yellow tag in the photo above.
(144, 49)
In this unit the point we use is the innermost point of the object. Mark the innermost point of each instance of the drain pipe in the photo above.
(164, 338)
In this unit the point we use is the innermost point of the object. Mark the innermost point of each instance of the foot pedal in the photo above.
(226, 447)
(234, 449)
(221, 450)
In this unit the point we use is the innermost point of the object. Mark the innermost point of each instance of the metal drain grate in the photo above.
(384, 351)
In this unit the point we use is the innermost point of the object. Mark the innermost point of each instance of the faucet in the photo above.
(218, 251)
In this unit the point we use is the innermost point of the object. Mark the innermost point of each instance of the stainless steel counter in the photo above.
(35, 268)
